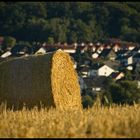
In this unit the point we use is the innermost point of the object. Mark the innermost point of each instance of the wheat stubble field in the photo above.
(95, 122)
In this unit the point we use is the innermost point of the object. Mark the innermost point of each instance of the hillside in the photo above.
(70, 21)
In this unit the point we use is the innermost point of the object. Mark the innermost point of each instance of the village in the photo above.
(94, 62)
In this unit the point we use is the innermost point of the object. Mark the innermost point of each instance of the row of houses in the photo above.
(98, 48)
(92, 73)
(115, 57)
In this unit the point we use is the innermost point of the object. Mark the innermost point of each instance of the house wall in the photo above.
(95, 55)
(121, 75)
(105, 71)
(8, 53)
(130, 68)
(101, 48)
(41, 51)
(127, 61)
(69, 51)
(130, 60)
(84, 72)
(131, 47)
(96, 89)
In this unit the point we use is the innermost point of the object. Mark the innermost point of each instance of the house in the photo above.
(100, 70)
(99, 51)
(131, 47)
(116, 47)
(121, 45)
(95, 55)
(90, 44)
(104, 53)
(75, 44)
(135, 50)
(69, 49)
(84, 71)
(107, 46)
(93, 48)
(117, 75)
(122, 53)
(82, 44)
(130, 67)
(6, 54)
(128, 45)
(35, 48)
(108, 53)
(112, 55)
(112, 64)
(42, 50)
(82, 49)
(99, 48)
(20, 50)
(126, 60)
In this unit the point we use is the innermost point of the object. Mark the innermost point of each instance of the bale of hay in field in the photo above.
(49, 80)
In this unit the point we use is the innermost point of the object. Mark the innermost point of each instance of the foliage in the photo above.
(50, 40)
(9, 42)
(70, 21)
(125, 91)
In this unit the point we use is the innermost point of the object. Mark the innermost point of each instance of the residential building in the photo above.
(100, 70)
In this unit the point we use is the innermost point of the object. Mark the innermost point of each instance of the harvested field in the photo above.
(95, 122)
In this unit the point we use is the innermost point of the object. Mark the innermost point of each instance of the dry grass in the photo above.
(48, 80)
(95, 122)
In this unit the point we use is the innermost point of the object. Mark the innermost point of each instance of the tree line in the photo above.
(70, 21)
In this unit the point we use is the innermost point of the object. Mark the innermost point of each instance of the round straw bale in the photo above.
(49, 80)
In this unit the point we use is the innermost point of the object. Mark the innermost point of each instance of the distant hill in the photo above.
(70, 21)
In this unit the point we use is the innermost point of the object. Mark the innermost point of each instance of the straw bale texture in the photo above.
(49, 80)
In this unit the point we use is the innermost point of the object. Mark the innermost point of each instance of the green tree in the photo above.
(71, 37)
(124, 92)
(70, 21)
(50, 40)
(9, 42)
(131, 91)
(117, 93)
